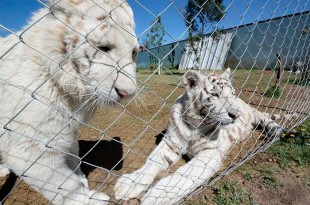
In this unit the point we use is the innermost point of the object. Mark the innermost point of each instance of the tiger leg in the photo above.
(4, 171)
(286, 116)
(265, 120)
(131, 185)
(75, 164)
(186, 179)
(50, 176)
(272, 128)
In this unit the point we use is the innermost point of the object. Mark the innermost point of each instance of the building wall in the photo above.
(256, 45)
(253, 45)
(212, 53)
(169, 55)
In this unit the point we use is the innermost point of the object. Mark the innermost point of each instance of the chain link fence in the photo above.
(80, 107)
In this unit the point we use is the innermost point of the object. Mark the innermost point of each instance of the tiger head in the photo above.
(213, 98)
(95, 46)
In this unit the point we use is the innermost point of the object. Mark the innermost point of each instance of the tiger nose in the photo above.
(123, 93)
(233, 114)
(125, 86)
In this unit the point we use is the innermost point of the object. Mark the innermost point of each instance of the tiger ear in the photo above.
(227, 75)
(191, 79)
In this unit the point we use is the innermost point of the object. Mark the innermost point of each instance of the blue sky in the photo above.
(15, 13)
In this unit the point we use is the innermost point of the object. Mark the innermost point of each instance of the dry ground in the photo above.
(127, 134)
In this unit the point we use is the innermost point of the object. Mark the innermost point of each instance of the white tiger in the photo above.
(72, 56)
(205, 122)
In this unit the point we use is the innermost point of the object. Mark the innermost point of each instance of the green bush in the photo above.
(273, 92)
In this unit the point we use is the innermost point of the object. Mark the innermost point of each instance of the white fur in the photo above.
(52, 81)
(189, 133)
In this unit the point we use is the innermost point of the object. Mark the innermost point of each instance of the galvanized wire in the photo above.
(245, 47)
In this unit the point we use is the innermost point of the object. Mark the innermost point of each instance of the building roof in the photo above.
(248, 24)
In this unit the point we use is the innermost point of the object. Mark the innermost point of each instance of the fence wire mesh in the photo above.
(80, 108)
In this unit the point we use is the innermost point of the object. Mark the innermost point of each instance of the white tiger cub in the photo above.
(72, 56)
(205, 122)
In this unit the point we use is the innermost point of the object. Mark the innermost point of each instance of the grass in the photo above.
(294, 81)
(264, 175)
(292, 152)
(273, 92)
(229, 192)
(293, 149)
(247, 176)
(249, 68)
(302, 79)
(269, 179)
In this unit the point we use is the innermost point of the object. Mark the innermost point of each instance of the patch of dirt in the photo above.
(127, 134)
(293, 190)
(292, 185)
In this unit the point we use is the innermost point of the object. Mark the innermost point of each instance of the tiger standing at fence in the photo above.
(73, 56)
(205, 122)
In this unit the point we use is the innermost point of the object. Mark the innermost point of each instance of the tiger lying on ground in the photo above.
(205, 122)
(73, 56)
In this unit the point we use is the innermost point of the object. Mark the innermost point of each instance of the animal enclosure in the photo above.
(119, 138)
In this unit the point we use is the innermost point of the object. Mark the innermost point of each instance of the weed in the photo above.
(299, 82)
(247, 176)
(246, 172)
(307, 181)
(270, 181)
(273, 92)
(197, 203)
(303, 80)
(291, 153)
(299, 135)
(293, 149)
(248, 68)
(229, 193)
(173, 73)
(140, 68)
(268, 176)
(152, 67)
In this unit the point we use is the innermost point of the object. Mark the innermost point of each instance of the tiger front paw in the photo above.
(276, 131)
(99, 199)
(4, 171)
(159, 195)
(130, 186)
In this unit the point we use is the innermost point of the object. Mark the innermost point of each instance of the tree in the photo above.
(198, 14)
(155, 36)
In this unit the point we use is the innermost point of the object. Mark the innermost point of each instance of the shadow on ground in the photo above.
(7, 186)
(104, 154)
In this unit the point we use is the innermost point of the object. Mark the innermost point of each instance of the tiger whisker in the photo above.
(95, 105)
